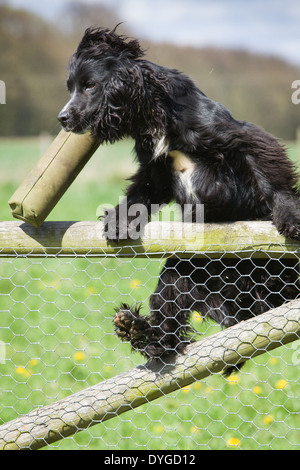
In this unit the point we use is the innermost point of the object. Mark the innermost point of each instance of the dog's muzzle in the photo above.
(64, 118)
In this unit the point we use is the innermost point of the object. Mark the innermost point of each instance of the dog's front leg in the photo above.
(282, 201)
(151, 187)
(286, 214)
(125, 221)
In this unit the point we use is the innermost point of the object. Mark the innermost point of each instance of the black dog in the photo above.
(191, 150)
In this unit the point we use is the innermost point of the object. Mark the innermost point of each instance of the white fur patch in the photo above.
(184, 168)
(161, 147)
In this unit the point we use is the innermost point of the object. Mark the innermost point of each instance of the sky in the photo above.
(263, 26)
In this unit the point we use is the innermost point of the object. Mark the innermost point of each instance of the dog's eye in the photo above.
(89, 85)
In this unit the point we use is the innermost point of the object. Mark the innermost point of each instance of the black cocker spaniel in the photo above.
(192, 151)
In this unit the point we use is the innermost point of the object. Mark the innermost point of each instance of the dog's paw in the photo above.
(112, 231)
(124, 324)
(292, 232)
(286, 216)
(289, 228)
(119, 226)
(129, 326)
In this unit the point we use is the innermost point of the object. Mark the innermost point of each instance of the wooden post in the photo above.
(119, 394)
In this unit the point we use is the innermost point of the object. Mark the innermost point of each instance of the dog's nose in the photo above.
(63, 117)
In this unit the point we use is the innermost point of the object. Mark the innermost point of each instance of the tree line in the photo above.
(34, 55)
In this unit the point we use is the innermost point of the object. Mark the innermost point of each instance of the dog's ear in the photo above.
(97, 42)
(126, 82)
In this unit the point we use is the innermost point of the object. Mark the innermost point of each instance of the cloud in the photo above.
(269, 26)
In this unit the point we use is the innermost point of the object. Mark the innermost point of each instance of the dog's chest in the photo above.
(183, 167)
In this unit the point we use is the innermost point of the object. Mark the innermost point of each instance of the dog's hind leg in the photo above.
(166, 330)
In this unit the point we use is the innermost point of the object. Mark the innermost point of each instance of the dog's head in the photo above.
(104, 82)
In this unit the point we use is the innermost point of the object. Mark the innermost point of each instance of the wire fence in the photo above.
(57, 338)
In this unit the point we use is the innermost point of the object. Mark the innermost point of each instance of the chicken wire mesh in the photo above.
(56, 337)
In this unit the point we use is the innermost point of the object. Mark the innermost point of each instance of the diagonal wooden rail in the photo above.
(129, 390)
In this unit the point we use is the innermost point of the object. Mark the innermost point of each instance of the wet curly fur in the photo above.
(237, 170)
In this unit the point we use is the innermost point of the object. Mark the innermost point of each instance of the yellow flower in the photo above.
(33, 362)
(233, 441)
(194, 429)
(197, 317)
(257, 390)
(186, 389)
(159, 429)
(23, 371)
(233, 379)
(91, 290)
(135, 283)
(281, 384)
(197, 385)
(79, 356)
(268, 419)
(273, 361)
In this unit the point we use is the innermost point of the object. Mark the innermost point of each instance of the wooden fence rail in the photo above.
(259, 239)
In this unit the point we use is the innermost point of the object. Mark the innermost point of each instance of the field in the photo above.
(56, 326)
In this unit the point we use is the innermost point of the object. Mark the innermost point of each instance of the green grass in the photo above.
(56, 322)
